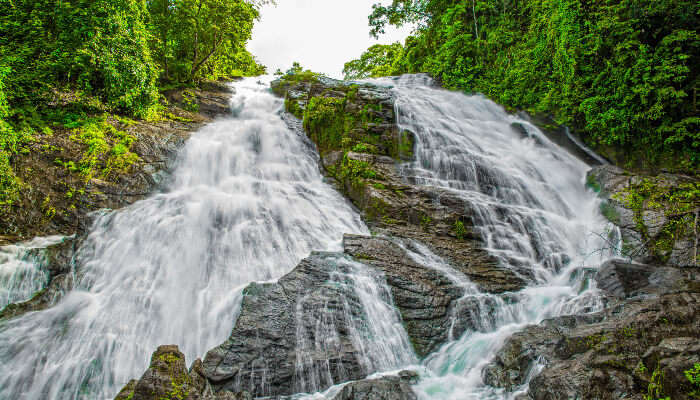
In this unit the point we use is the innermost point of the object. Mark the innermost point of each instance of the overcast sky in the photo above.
(321, 34)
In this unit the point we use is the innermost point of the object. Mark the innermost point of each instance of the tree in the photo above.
(97, 46)
(191, 36)
(378, 60)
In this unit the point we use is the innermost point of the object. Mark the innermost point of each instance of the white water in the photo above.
(373, 325)
(23, 269)
(247, 202)
(530, 206)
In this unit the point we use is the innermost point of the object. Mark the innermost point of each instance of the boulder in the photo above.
(384, 388)
(167, 377)
(301, 334)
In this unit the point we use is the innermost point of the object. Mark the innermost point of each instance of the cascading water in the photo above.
(529, 204)
(371, 321)
(246, 203)
(23, 269)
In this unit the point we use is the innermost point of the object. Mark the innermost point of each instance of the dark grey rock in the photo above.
(615, 353)
(624, 280)
(385, 388)
(276, 347)
(424, 296)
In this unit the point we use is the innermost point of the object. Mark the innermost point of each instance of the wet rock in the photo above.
(624, 280)
(294, 335)
(616, 353)
(424, 296)
(385, 388)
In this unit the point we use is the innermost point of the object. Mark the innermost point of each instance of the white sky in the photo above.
(321, 34)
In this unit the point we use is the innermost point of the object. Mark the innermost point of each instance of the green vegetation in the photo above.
(378, 60)
(460, 230)
(693, 376)
(80, 68)
(622, 73)
(107, 149)
(678, 203)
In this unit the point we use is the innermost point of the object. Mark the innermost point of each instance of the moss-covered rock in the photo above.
(361, 146)
(657, 213)
(168, 378)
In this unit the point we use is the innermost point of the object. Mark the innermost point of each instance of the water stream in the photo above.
(23, 269)
(246, 203)
(532, 209)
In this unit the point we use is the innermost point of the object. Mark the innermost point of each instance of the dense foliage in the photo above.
(378, 60)
(193, 36)
(69, 63)
(623, 72)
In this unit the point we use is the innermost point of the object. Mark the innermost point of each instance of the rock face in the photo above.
(657, 214)
(168, 378)
(640, 344)
(297, 335)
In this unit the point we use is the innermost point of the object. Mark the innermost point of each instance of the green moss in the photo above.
(107, 151)
(325, 123)
(376, 210)
(693, 376)
(389, 221)
(355, 171)
(678, 203)
(460, 230)
(655, 390)
(425, 222)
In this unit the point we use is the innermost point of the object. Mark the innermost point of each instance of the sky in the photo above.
(321, 35)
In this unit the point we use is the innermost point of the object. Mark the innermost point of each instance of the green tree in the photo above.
(378, 60)
(195, 38)
(97, 46)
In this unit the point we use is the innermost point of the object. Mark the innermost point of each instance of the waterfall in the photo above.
(246, 203)
(23, 269)
(372, 322)
(529, 204)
